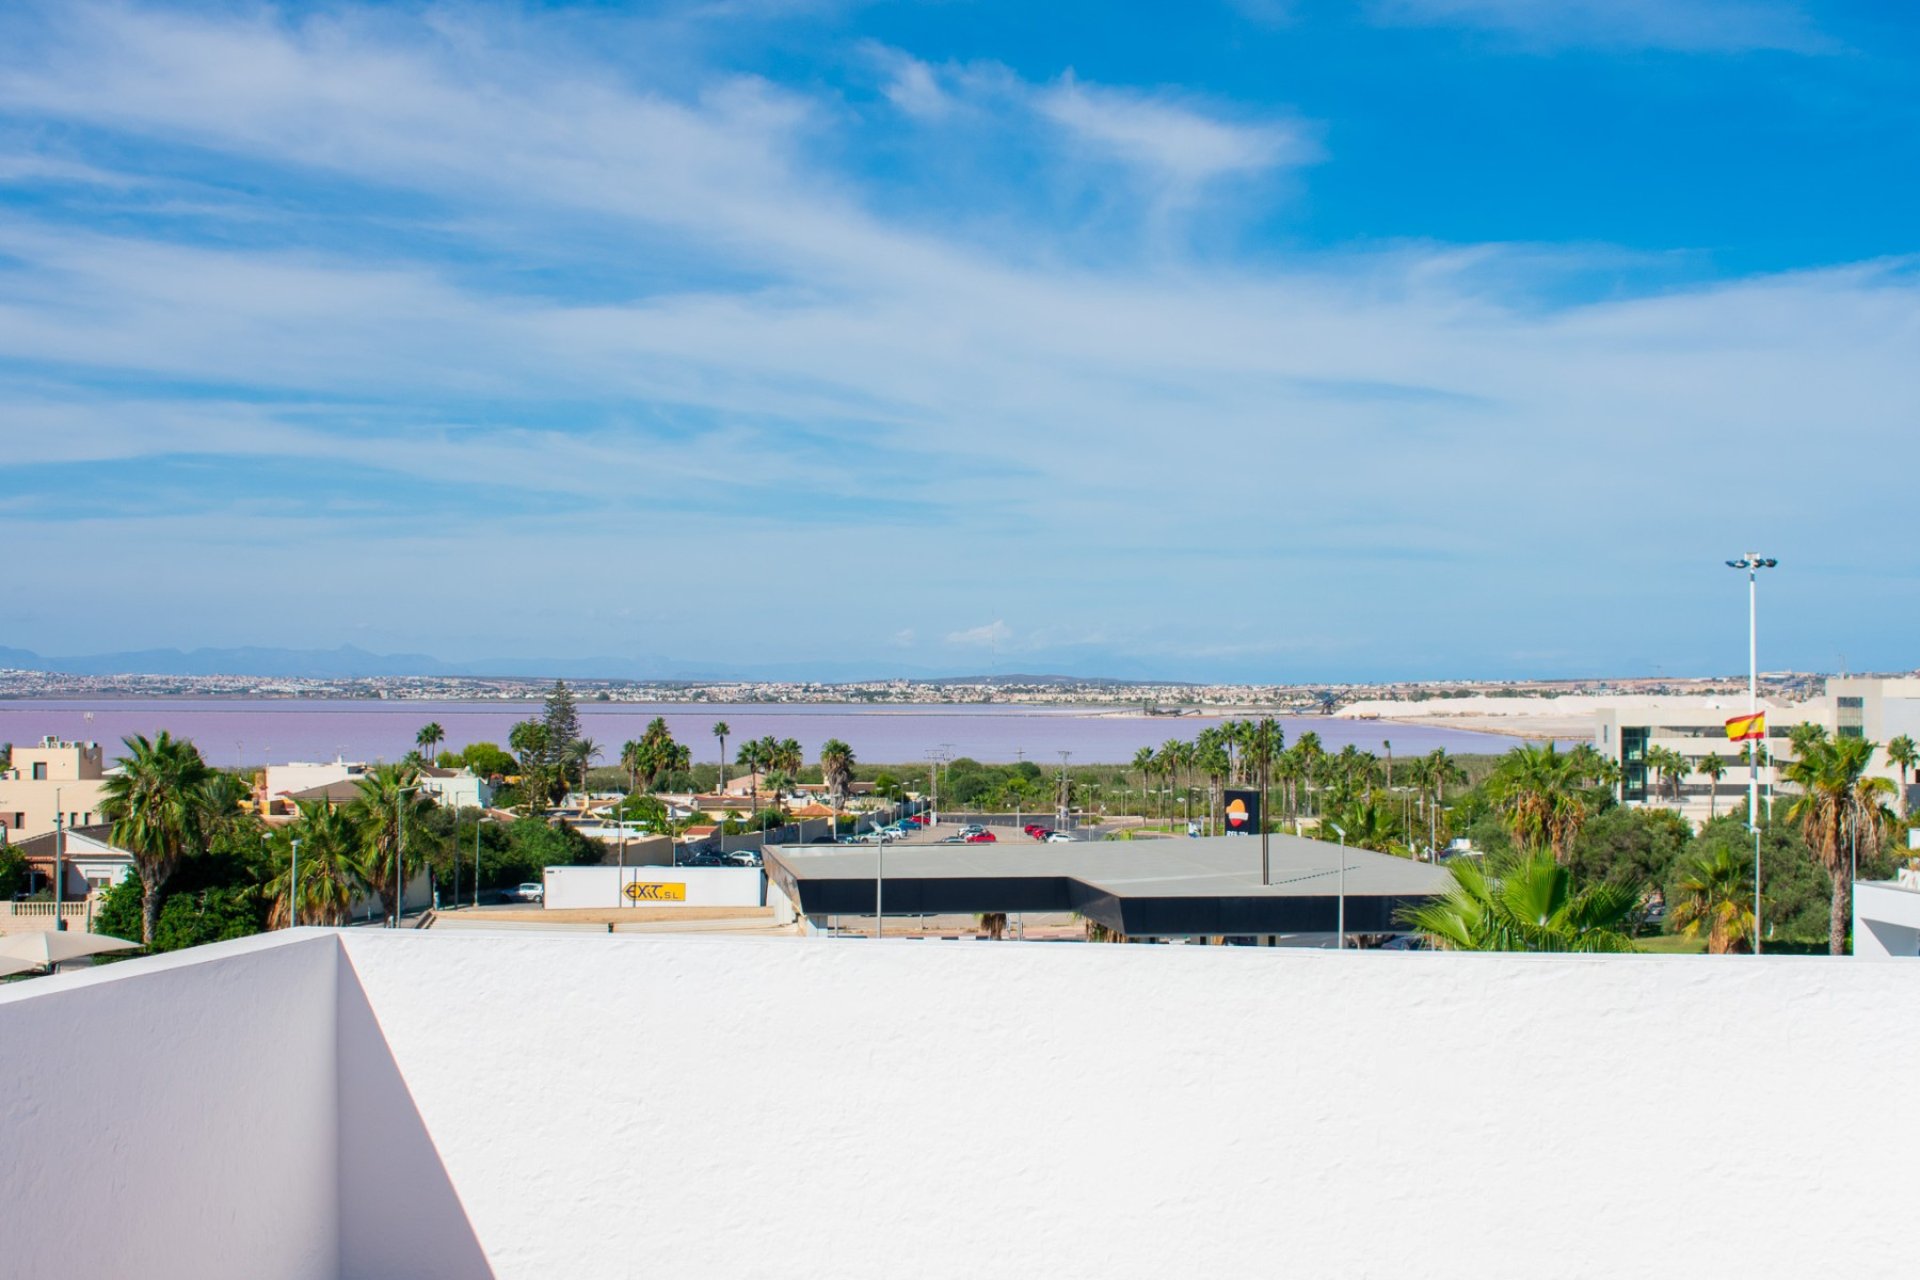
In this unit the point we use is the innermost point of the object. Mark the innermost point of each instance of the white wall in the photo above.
(1886, 920)
(602, 886)
(624, 1105)
(173, 1118)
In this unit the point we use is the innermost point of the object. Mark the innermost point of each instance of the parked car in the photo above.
(1056, 837)
(981, 837)
(1406, 942)
(710, 860)
(972, 829)
(531, 891)
(1039, 832)
(953, 839)
(744, 858)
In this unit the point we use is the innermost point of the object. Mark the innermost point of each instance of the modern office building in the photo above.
(52, 777)
(1877, 709)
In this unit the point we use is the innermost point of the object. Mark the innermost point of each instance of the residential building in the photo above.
(90, 859)
(53, 776)
(457, 788)
(281, 784)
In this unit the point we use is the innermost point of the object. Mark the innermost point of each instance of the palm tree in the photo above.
(1311, 753)
(1538, 789)
(1527, 903)
(1712, 768)
(1670, 766)
(157, 804)
(390, 813)
(330, 869)
(751, 757)
(836, 769)
(632, 759)
(1716, 890)
(1837, 805)
(582, 752)
(429, 737)
(1260, 746)
(1143, 764)
(1903, 755)
(720, 730)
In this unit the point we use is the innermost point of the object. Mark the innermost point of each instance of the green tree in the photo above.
(331, 869)
(1838, 810)
(562, 721)
(836, 769)
(1526, 903)
(486, 759)
(1903, 755)
(392, 820)
(157, 804)
(13, 871)
(1712, 768)
(1715, 891)
(1538, 788)
(720, 730)
(430, 736)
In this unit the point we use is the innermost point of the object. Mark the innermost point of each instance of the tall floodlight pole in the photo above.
(879, 887)
(1753, 562)
(293, 887)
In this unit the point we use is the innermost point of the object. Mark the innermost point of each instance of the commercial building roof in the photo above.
(1141, 888)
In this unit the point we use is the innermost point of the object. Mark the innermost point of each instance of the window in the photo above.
(39, 770)
(19, 821)
(1853, 702)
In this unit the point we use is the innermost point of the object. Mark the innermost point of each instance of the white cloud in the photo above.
(1170, 138)
(1691, 26)
(989, 636)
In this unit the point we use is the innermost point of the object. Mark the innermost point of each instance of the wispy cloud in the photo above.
(674, 315)
(1688, 26)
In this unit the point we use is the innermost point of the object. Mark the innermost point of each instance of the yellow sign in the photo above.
(646, 891)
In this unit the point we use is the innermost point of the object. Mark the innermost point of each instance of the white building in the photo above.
(1886, 916)
(372, 1103)
(1852, 707)
(282, 782)
(458, 788)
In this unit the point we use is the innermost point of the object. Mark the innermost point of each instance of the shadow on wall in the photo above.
(400, 1217)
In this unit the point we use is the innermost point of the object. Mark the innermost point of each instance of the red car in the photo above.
(981, 837)
(1035, 830)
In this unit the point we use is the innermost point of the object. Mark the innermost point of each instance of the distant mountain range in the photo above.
(349, 663)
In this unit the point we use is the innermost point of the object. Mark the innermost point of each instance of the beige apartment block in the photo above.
(1875, 708)
(52, 777)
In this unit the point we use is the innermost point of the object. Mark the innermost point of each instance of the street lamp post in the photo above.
(1340, 941)
(400, 854)
(1753, 562)
(59, 872)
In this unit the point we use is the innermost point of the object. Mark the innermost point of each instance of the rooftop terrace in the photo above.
(371, 1104)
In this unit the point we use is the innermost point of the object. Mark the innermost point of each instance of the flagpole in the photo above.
(1752, 562)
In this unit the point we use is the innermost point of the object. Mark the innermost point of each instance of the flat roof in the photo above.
(1169, 887)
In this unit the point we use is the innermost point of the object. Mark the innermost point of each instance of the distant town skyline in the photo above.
(1263, 341)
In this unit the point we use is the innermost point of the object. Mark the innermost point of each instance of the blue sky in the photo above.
(1268, 339)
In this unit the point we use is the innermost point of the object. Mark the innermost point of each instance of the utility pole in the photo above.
(1066, 814)
(59, 872)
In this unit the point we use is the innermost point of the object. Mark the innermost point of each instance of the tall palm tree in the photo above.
(390, 813)
(581, 753)
(1712, 768)
(1538, 788)
(633, 760)
(430, 736)
(1311, 754)
(1143, 764)
(1261, 745)
(836, 769)
(330, 869)
(1903, 755)
(1716, 891)
(720, 730)
(157, 804)
(751, 757)
(1526, 903)
(1837, 808)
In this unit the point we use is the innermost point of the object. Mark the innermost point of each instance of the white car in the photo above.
(531, 891)
(1057, 837)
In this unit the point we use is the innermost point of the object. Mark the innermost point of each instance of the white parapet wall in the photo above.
(655, 886)
(1886, 916)
(528, 1107)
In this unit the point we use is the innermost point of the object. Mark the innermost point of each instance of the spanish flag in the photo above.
(1747, 728)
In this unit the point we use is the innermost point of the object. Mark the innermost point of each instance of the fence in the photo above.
(37, 917)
